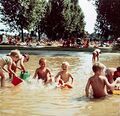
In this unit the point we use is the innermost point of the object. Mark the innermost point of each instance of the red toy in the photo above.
(16, 81)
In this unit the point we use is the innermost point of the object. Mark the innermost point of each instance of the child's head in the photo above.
(65, 65)
(98, 67)
(15, 54)
(26, 57)
(118, 69)
(110, 72)
(42, 62)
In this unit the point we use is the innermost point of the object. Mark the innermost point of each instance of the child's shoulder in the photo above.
(91, 78)
(47, 69)
(103, 77)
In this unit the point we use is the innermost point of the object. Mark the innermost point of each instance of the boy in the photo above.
(98, 82)
(64, 76)
(42, 72)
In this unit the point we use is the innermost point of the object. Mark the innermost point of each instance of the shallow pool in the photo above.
(29, 99)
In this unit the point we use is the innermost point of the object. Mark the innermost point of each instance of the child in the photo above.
(116, 73)
(98, 82)
(95, 55)
(8, 60)
(64, 76)
(109, 73)
(23, 58)
(42, 72)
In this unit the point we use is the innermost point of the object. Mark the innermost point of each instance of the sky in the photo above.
(89, 13)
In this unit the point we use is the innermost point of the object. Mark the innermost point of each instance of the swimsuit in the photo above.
(6, 59)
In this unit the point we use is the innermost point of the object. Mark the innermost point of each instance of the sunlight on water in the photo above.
(32, 99)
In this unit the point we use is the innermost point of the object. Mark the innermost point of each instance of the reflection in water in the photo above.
(31, 99)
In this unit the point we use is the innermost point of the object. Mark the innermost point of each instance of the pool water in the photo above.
(30, 99)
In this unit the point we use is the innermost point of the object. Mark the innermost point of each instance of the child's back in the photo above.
(98, 85)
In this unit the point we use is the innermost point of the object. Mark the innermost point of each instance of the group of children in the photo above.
(62, 78)
(11, 60)
(102, 82)
(42, 72)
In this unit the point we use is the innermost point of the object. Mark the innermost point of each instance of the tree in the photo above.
(74, 18)
(17, 13)
(54, 19)
(63, 18)
(108, 18)
(39, 15)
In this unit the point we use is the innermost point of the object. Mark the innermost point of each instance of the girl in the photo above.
(8, 60)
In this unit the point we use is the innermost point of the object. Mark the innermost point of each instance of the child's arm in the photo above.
(50, 75)
(110, 85)
(57, 76)
(9, 68)
(35, 74)
(71, 78)
(22, 64)
(87, 88)
(15, 65)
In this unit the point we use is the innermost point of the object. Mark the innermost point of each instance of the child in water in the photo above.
(23, 58)
(116, 73)
(43, 72)
(112, 74)
(109, 73)
(99, 82)
(64, 76)
(95, 55)
(8, 60)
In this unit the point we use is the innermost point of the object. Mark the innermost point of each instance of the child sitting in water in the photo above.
(109, 73)
(98, 82)
(112, 74)
(95, 55)
(43, 72)
(23, 58)
(116, 73)
(8, 60)
(64, 76)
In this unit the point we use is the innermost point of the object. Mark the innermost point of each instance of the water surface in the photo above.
(29, 99)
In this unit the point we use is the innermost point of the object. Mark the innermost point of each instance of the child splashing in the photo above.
(43, 73)
(64, 76)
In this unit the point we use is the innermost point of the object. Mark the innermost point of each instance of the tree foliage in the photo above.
(108, 18)
(57, 18)
(74, 17)
(17, 13)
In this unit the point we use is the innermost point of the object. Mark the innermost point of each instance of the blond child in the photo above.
(8, 60)
(64, 76)
(43, 72)
(23, 59)
(98, 82)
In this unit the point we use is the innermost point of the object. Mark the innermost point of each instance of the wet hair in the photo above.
(65, 63)
(41, 60)
(26, 56)
(98, 66)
